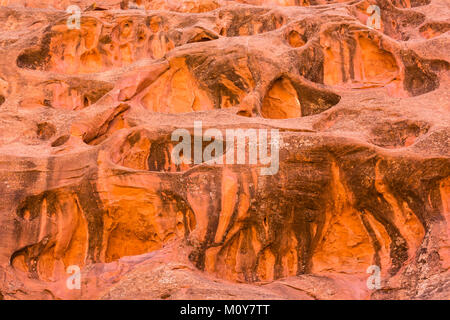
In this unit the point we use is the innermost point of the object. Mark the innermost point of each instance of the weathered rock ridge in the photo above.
(87, 178)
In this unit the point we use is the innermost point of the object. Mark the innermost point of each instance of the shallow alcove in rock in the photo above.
(45, 130)
(295, 39)
(141, 150)
(135, 227)
(75, 93)
(281, 102)
(433, 29)
(292, 99)
(357, 59)
(176, 91)
(60, 141)
(422, 75)
(48, 256)
(418, 3)
(398, 134)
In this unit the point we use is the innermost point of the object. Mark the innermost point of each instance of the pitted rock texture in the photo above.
(87, 177)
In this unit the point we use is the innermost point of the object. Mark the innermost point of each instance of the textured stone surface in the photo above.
(86, 176)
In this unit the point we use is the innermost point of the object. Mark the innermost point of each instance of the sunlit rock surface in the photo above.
(87, 177)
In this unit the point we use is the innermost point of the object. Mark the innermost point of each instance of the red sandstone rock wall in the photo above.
(87, 178)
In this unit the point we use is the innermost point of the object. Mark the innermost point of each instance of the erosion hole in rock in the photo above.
(422, 75)
(287, 99)
(295, 39)
(357, 60)
(114, 122)
(60, 141)
(45, 130)
(142, 151)
(177, 91)
(400, 134)
(52, 212)
(75, 94)
(433, 29)
(203, 36)
(418, 3)
(144, 220)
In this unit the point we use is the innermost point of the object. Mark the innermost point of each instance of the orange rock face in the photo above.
(95, 206)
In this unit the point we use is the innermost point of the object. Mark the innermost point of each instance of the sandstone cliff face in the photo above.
(87, 177)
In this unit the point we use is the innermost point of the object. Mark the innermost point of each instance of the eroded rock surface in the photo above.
(87, 177)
